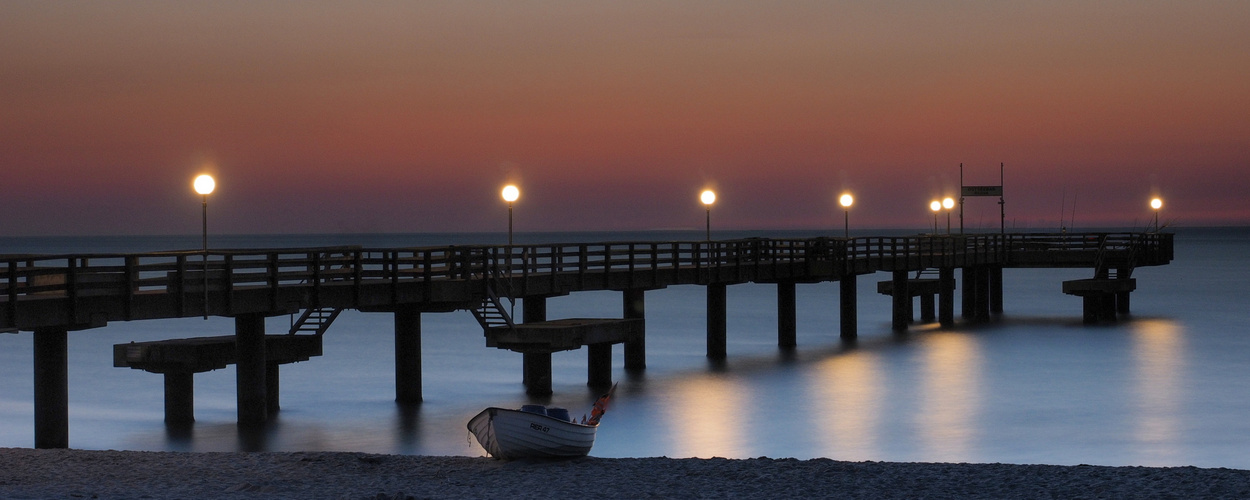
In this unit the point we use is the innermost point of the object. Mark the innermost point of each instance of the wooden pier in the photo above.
(51, 295)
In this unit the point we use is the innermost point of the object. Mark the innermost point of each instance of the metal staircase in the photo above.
(315, 320)
(1103, 269)
(490, 312)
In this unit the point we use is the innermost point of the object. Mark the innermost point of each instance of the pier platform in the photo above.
(1103, 299)
(180, 359)
(564, 334)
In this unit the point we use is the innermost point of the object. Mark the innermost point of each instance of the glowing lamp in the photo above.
(707, 197)
(204, 184)
(511, 193)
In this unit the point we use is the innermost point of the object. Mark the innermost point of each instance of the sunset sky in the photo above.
(410, 116)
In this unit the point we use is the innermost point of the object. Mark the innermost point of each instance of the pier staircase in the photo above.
(1114, 261)
(490, 311)
(315, 320)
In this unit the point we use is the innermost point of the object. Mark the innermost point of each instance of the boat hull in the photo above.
(511, 434)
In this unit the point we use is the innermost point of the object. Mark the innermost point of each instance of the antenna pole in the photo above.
(1002, 204)
(961, 198)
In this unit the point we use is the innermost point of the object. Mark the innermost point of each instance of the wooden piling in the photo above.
(179, 398)
(51, 388)
(1122, 303)
(273, 384)
(928, 310)
(408, 355)
(634, 307)
(996, 289)
(946, 297)
(902, 301)
(716, 324)
(536, 365)
(787, 316)
(848, 310)
(982, 312)
(967, 303)
(599, 365)
(250, 369)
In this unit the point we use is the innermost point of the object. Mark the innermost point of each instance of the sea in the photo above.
(1167, 386)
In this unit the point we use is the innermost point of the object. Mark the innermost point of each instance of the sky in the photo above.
(410, 116)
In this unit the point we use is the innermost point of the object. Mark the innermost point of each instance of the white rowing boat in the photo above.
(509, 434)
(536, 431)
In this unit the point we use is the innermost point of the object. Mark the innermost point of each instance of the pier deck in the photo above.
(54, 294)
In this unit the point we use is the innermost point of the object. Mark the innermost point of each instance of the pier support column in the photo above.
(1122, 297)
(968, 298)
(927, 310)
(634, 306)
(946, 297)
(407, 355)
(273, 385)
(996, 289)
(716, 324)
(787, 319)
(976, 303)
(537, 365)
(250, 369)
(902, 301)
(179, 398)
(1099, 308)
(599, 365)
(848, 310)
(983, 294)
(51, 388)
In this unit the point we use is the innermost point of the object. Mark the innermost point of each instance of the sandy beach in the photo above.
(27, 473)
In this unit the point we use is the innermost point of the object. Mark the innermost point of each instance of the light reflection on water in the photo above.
(846, 396)
(1159, 358)
(951, 396)
(710, 418)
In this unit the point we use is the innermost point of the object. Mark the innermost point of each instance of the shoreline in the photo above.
(30, 473)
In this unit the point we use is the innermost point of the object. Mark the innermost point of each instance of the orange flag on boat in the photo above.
(601, 406)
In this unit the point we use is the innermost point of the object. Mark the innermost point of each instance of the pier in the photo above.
(51, 295)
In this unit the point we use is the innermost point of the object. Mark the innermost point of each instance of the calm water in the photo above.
(1169, 387)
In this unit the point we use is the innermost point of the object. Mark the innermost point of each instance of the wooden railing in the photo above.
(28, 278)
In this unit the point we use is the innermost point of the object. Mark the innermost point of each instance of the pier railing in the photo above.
(67, 283)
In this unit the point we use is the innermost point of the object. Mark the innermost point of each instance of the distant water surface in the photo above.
(1170, 386)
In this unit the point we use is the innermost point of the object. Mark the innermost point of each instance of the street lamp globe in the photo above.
(511, 193)
(204, 184)
(707, 197)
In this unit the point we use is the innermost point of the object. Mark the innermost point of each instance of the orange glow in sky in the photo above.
(408, 116)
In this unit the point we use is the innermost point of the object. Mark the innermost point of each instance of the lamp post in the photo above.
(948, 203)
(510, 194)
(708, 197)
(846, 200)
(1156, 204)
(204, 185)
(935, 206)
